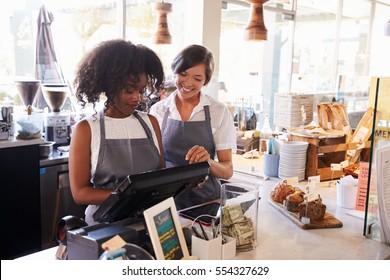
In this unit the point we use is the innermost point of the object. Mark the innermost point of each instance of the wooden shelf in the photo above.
(323, 151)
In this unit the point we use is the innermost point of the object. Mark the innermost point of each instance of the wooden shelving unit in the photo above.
(323, 151)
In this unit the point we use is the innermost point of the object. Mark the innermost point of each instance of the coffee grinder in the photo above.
(57, 122)
(28, 89)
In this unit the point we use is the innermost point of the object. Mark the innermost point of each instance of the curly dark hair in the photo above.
(107, 68)
(192, 56)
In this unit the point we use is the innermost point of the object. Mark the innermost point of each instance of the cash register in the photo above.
(122, 212)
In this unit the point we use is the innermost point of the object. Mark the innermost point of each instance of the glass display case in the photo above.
(377, 210)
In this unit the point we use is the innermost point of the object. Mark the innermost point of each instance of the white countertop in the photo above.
(13, 142)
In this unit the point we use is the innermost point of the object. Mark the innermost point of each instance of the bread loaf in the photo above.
(315, 209)
(281, 191)
(293, 200)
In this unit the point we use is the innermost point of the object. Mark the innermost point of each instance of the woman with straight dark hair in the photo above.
(194, 126)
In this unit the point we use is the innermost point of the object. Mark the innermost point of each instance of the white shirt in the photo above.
(224, 132)
(127, 128)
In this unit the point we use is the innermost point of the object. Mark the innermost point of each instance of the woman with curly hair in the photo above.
(119, 140)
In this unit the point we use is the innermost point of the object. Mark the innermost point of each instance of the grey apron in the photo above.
(178, 137)
(121, 157)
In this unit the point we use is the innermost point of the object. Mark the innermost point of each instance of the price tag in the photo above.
(344, 163)
(335, 167)
(313, 181)
(311, 196)
(360, 146)
(351, 153)
(293, 181)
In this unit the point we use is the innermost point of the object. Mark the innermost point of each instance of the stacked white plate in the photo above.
(293, 159)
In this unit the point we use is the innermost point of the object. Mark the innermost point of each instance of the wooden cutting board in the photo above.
(329, 220)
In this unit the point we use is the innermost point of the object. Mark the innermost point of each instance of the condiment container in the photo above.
(46, 149)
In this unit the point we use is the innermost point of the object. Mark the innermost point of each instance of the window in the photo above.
(314, 47)
(351, 46)
(77, 27)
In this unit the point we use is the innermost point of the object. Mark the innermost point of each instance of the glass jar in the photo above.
(240, 213)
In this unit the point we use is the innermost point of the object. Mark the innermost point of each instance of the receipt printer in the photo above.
(86, 243)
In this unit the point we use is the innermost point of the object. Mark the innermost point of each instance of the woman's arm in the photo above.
(223, 168)
(80, 167)
(224, 136)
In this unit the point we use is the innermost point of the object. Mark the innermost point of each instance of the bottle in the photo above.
(11, 125)
(266, 131)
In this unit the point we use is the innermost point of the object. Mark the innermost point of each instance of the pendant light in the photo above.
(162, 36)
(255, 30)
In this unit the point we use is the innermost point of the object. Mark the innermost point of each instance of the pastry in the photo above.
(351, 170)
(293, 200)
(315, 209)
(281, 191)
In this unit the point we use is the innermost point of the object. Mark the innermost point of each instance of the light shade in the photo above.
(387, 28)
(161, 35)
(255, 30)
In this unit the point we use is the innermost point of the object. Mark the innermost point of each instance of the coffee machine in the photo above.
(56, 122)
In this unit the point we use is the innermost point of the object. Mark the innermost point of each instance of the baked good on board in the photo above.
(293, 200)
(315, 209)
(281, 191)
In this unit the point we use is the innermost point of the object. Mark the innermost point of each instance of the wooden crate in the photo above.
(323, 151)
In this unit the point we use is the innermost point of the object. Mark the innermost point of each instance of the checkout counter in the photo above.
(122, 212)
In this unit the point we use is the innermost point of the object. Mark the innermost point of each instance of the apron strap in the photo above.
(207, 112)
(144, 125)
(102, 127)
(165, 119)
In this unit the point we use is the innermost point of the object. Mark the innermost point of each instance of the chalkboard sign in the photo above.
(165, 231)
(168, 236)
